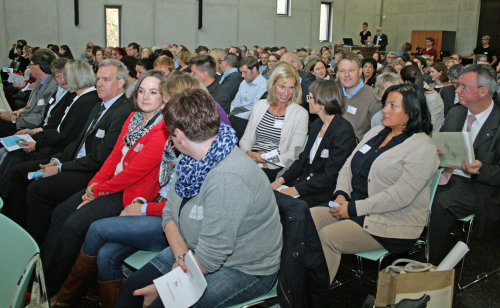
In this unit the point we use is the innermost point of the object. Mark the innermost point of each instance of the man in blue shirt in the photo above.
(251, 90)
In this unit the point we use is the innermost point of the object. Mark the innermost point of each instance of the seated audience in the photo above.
(32, 115)
(411, 74)
(118, 53)
(98, 55)
(273, 59)
(383, 188)
(442, 85)
(474, 188)
(142, 66)
(278, 122)
(130, 62)
(319, 69)
(331, 140)
(65, 52)
(251, 89)
(369, 71)
(183, 58)
(164, 64)
(238, 226)
(231, 78)
(361, 101)
(131, 170)
(384, 81)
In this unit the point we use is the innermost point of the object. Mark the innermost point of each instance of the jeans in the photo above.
(113, 239)
(225, 287)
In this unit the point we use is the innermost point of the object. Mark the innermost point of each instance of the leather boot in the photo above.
(70, 290)
(110, 291)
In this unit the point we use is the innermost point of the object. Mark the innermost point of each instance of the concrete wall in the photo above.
(228, 22)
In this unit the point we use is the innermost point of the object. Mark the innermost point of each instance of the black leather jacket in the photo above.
(303, 279)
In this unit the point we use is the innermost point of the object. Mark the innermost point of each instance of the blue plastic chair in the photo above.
(259, 300)
(140, 258)
(17, 251)
(380, 254)
(1, 204)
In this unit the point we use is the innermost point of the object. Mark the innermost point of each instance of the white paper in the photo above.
(456, 146)
(453, 257)
(11, 143)
(272, 157)
(351, 109)
(181, 290)
(283, 187)
(15, 78)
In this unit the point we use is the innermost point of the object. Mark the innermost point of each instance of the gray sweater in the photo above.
(233, 221)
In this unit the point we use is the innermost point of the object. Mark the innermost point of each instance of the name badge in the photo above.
(325, 153)
(138, 147)
(100, 133)
(196, 212)
(365, 148)
(51, 100)
(352, 109)
(40, 102)
(278, 124)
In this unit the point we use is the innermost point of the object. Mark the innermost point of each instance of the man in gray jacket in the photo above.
(45, 86)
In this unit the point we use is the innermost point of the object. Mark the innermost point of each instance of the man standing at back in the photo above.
(474, 188)
(31, 202)
(251, 90)
(45, 87)
(360, 98)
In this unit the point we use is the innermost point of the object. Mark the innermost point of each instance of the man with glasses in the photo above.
(45, 87)
(474, 188)
(231, 77)
(264, 57)
(484, 49)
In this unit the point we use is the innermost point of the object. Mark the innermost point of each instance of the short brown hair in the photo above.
(443, 69)
(194, 113)
(351, 57)
(165, 61)
(329, 94)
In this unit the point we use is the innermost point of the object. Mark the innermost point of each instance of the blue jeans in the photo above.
(113, 239)
(225, 287)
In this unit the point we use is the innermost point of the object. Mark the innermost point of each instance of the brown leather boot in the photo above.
(110, 291)
(70, 290)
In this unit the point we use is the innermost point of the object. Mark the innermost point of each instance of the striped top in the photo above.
(268, 133)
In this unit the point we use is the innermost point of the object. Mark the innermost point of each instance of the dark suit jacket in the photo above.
(339, 141)
(97, 148)
(306, 80)
(71, 127)
(487, 150)
(33, 112)
(58, 111)
(383, 41)
(220, 96)
(230, 86)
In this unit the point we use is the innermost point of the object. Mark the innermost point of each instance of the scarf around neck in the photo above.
(137, 127)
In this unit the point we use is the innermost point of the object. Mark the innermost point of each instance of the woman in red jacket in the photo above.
(131, 169)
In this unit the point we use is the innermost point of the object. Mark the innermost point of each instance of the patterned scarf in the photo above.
(137, 127)
(168, 161)
(192, 173)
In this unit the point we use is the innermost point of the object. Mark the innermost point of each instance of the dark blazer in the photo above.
(306, 80)
(320, 178)
(97, 148)
(71, 127)
(230, 86)
(220, 96)
(58, 111)
(383, 41)
(486, 150)
(303, 279)
(33, 112)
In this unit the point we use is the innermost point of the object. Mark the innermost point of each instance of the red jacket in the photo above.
(141, 166)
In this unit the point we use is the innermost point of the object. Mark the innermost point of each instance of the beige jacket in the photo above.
(398, 187)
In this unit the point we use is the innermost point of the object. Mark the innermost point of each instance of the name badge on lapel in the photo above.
(100, 133)
(40, 102)
(352, 109)
(51, 100)
(196, 212)
(324, 154)
(365, 148)
(138, 147)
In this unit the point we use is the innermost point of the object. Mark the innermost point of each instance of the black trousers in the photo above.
(453, 201)
(30, 203)
(7, 128)
(138, 280)
(239, 125)
(68, 228)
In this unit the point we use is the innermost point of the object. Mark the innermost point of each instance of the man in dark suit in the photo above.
(231, 77)
(45, 87)
(380, 40)
(475, 188)
(31, 202)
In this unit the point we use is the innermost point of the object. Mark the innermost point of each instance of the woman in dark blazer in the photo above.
(313, 175)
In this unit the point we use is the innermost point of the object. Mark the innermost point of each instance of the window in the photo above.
(283, 7)
(113, 25)
(325, 21)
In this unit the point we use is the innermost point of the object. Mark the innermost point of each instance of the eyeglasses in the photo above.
(465, 87)
(308, 97)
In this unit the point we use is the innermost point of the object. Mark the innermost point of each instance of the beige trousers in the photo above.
(340, 236)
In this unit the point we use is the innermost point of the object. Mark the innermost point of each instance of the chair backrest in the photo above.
(17, 248)
(1, 204)
(434, 185)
